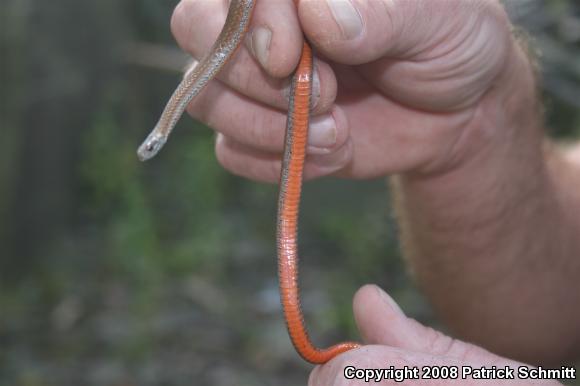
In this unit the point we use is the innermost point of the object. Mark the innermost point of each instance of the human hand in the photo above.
(394, 340)
(400, 85)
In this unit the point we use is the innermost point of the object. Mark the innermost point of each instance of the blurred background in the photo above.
(114, 272)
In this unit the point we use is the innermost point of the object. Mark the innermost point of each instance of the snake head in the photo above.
(151, 146)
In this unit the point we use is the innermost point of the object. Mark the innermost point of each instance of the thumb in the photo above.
(381, 321)
(360, 31)
(399, 341)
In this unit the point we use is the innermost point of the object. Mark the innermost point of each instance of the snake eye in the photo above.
(151, 146)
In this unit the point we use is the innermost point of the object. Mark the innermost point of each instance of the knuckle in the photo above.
(438, 343)
(464, 351)
(441, 344)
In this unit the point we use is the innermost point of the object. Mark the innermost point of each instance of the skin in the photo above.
(441, 95)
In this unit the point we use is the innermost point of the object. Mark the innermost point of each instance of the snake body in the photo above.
(236, 25)
(235, 28)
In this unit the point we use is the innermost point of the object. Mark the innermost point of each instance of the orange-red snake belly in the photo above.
(237, 22)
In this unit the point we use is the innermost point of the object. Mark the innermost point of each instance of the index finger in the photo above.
(274, 38)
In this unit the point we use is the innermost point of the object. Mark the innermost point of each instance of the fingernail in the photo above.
(315, 97)
(347, 18)
(322, 134)
(389, 300)
(333, 161)
(260, 44)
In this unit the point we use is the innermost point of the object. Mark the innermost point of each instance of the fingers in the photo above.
(265, 167)
(196, 26)
(274, 35)
(248, 107)
(271, 92)
(259, 69)
(275, 38)
(261, 127)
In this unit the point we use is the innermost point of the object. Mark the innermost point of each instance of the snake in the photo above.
(235, 28)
